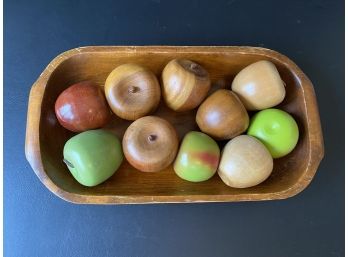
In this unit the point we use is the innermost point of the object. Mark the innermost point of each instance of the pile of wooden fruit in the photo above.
(151, 143)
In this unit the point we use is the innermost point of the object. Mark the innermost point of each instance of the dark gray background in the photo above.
(37, 223)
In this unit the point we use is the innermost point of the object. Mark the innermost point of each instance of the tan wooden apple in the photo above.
(245, 162)
(259, 86)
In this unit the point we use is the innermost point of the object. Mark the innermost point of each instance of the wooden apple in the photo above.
(81, 107)
(185, 84)
(222, 115)
(93, 156)
(150, 144)
(132, 91)
(245, 162)
(198, 157)
(259, 86)
(276, 129)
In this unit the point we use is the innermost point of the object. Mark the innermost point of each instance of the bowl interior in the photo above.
(222, 66)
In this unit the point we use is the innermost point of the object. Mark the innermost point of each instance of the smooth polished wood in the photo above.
(132, 91)
(150, 144)
(222, 115)
(259, 86)
(45, 137)
(185, 84)
(82, 107)
(245, 162)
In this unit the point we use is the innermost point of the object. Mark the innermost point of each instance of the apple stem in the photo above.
(152, 138)
(133, 89)
(196, 69)
(68, 163)
(193, 66)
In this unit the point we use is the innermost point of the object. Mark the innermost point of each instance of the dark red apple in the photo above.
(82, 107)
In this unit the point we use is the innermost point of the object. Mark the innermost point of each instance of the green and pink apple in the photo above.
(93, 156)
(276, 129)
(198, 157)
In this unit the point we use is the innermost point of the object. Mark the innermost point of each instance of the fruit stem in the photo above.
(193, 66)
(68, 163)
(152, 138)
(133, 89)
(196, 69)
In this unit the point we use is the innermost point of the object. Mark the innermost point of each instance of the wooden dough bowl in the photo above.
(45, 138)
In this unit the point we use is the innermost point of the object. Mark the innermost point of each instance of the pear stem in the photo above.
(68, 163)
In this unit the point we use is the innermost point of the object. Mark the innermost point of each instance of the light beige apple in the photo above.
(245, 162)
(259, 86)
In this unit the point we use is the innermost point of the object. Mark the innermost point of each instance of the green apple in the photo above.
(198, 157)
(276, 129)
(93, 156)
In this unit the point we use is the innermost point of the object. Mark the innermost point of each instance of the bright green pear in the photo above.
(93, 156)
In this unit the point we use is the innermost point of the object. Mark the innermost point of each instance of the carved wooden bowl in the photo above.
(45, 138)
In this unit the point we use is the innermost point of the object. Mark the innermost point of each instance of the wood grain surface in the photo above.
(185, 84)
(222, 115)
(132, 91)
(150, 144)
(261, 74)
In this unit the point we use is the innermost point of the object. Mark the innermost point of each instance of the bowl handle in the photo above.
(32, 143)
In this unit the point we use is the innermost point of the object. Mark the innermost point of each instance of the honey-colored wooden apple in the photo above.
(132, 91)
(259, 86)
(222, 115)
(185, 84)
(150, 144)
(82, 106)
(245, 162)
